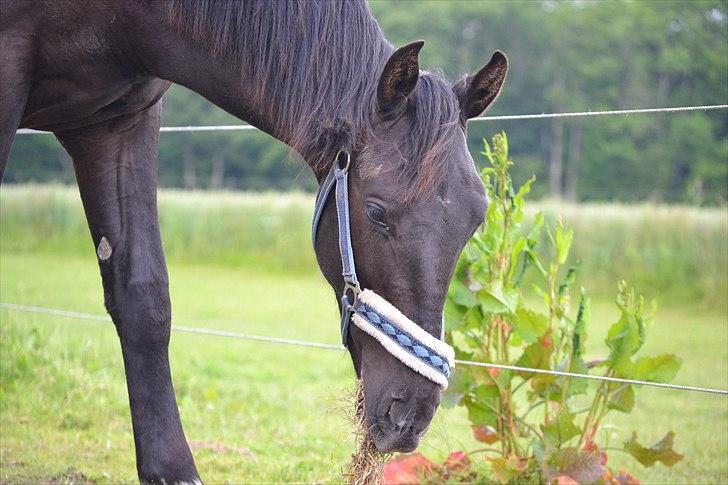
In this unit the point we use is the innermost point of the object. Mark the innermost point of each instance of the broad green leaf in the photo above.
(490, 303)
(485, 393)
(497, 300)
(530, 325)
(479, 413)
(561, 429)
(545, 386)
(661, 368)
(483, 245)
(536, 356)
(578, 386)
(502, 378)
(622, 399)
(461, 294)
(661, 451)
(461, 383)
(624, 339)
(462, 344)
(454, 314)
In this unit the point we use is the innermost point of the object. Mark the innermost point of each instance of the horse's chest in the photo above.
(67, 100)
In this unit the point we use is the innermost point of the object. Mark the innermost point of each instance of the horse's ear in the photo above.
(399, 76)
(478, 92)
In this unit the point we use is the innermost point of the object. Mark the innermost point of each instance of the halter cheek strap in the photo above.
(400, 336)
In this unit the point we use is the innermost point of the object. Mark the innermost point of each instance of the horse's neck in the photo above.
(290, 85)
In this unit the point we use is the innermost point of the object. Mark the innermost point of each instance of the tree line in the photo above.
(564, 56)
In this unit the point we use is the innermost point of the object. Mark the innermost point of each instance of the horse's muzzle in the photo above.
(404, 418)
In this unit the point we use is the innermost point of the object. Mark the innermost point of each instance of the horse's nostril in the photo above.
(399, 414)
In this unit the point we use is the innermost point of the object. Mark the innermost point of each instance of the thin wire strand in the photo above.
(178, 328)
(613, 112)
(305, 343)
(597, 378)
(577, 114)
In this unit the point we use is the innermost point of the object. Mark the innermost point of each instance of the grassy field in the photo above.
(264, 413)
(680, 253)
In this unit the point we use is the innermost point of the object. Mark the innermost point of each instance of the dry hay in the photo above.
(367, 463)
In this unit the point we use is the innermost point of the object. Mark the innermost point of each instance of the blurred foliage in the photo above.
(564, 56)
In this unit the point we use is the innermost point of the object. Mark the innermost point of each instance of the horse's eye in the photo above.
(376, 215)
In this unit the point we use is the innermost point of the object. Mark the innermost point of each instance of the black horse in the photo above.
(317, 75)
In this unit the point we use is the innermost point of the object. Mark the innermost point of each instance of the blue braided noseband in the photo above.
(404, 339)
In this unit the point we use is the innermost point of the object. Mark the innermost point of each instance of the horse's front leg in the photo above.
(15, 82)
(115, 166)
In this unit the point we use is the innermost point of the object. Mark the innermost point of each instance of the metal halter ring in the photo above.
(348, 159)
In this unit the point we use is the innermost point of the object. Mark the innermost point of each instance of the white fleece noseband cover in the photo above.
(400, 336)
(403, 338)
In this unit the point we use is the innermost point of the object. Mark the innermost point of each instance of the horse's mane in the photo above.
(332, 53)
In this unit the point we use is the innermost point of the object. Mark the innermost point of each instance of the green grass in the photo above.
(64, 414)
(243, 262)
(680, 253)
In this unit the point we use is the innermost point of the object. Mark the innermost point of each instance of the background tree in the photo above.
(564, 55)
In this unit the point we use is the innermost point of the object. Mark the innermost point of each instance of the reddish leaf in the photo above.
(485, 434)
(456, 462)
(624, 478)
(602, 458)
(409, 469)
(584, 467)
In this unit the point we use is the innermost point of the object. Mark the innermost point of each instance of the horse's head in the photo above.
(415, 198)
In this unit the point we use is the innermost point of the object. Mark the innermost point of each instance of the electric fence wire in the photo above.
(304, 343)
(537, 116)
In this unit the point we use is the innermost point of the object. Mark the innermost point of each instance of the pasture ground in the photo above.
(265, 413)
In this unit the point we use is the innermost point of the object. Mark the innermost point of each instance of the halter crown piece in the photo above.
(400, 336)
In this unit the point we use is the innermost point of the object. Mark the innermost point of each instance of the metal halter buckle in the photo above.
(355, 290)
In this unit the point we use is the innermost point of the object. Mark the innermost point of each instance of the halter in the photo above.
(400, 336)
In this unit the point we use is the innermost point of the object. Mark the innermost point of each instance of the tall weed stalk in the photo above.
(540, 427)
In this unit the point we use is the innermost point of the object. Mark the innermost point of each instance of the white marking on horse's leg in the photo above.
(104, 249)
